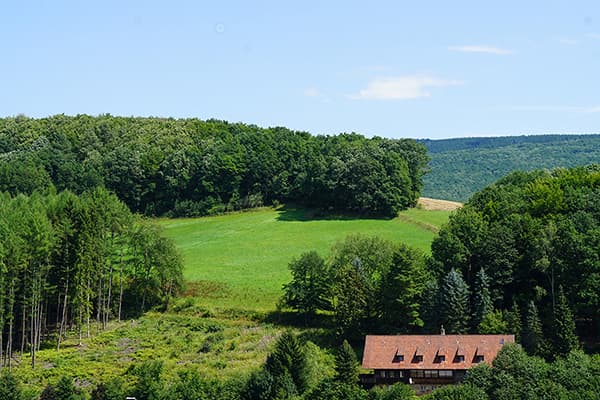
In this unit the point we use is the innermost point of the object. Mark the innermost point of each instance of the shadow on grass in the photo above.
(319, 328)
(296, 213)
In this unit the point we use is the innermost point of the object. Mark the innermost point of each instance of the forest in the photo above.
(67, 260)
(189, 167)
(461, 167)
(76, 253)
(520, 257)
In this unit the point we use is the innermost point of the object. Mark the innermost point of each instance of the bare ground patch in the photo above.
(426, 203)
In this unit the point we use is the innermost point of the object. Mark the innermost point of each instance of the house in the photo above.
(426, 362)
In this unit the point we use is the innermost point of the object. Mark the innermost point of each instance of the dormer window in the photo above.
(479, 358)
(440, 358)
(459, 358)
(418, 358)
(398, 358)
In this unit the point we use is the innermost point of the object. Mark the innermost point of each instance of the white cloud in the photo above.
(401, 88)
(481, 49)
(312, 92)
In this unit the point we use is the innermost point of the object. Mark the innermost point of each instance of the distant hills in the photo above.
(460, 167)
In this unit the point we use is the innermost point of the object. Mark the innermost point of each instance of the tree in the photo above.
(430, 306)
(351, 297)
(113, 389)
(287, 364)
(401, 291)
(493, 323)
(148, 380)
(457, 392)
(533, 337)
(310, 286)
(346, 366)
(10, 389)
(397, 391)
(454, 304)
(482, 302)
(565, 337)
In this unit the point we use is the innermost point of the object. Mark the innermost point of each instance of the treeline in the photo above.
(189, 167)
(527, 246)
(67, 260)
(288, 373)
(461, 167)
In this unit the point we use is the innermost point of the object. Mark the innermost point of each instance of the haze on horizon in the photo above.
(393, 69)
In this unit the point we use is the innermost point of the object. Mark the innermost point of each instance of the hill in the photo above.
(240, 260)
(460, 167)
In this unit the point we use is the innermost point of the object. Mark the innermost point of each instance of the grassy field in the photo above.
(235, 266)
(240, 260)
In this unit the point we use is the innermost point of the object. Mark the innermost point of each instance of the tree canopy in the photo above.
(190, 167)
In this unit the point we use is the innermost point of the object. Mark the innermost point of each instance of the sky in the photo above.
(419, 69)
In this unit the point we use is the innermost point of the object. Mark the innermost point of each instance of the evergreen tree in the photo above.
(533, 337)
(346, 366)
(401, 290)
(454, 306)
(482, 301)
(351, 301)
(513, 321)
(287, 361)
(430, 306)
(565, 337)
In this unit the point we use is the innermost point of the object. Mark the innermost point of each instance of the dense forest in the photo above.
(67, 260)
(461, 167)
(520, 257)
(534, 238)
(189, 167)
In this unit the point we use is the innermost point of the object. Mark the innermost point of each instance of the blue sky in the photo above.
(426, 69)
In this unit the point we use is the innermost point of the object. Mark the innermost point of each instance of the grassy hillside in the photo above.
(235, 266)
(460, 167)
(240, 260)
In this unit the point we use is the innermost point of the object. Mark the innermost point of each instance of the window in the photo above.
(478, 358)
(445, 374)
(431, 373)
(440, 358)
(398, 358)
(416, 373)
(418, 359)
(459, 358)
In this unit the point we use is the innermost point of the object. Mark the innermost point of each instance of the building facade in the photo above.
(426, 362)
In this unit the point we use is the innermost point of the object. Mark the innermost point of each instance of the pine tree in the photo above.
(430, 306)
(513, 321)
(565, 336)
(346, 366)
(454, 307)
(288, 359)
(533, 337)
(482, 301)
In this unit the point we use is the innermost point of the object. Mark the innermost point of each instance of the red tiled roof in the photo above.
(380, 350)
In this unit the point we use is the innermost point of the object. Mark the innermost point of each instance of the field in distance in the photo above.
(239, 261)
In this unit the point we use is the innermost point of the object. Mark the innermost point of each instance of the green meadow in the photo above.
(235, 266)
(239, 261)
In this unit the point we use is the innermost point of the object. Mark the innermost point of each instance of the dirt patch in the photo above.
(207, 289)
(438, 205)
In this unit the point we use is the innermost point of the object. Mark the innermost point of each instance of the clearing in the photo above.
(239, 261)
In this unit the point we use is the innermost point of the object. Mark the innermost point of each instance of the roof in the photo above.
(381, 352)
